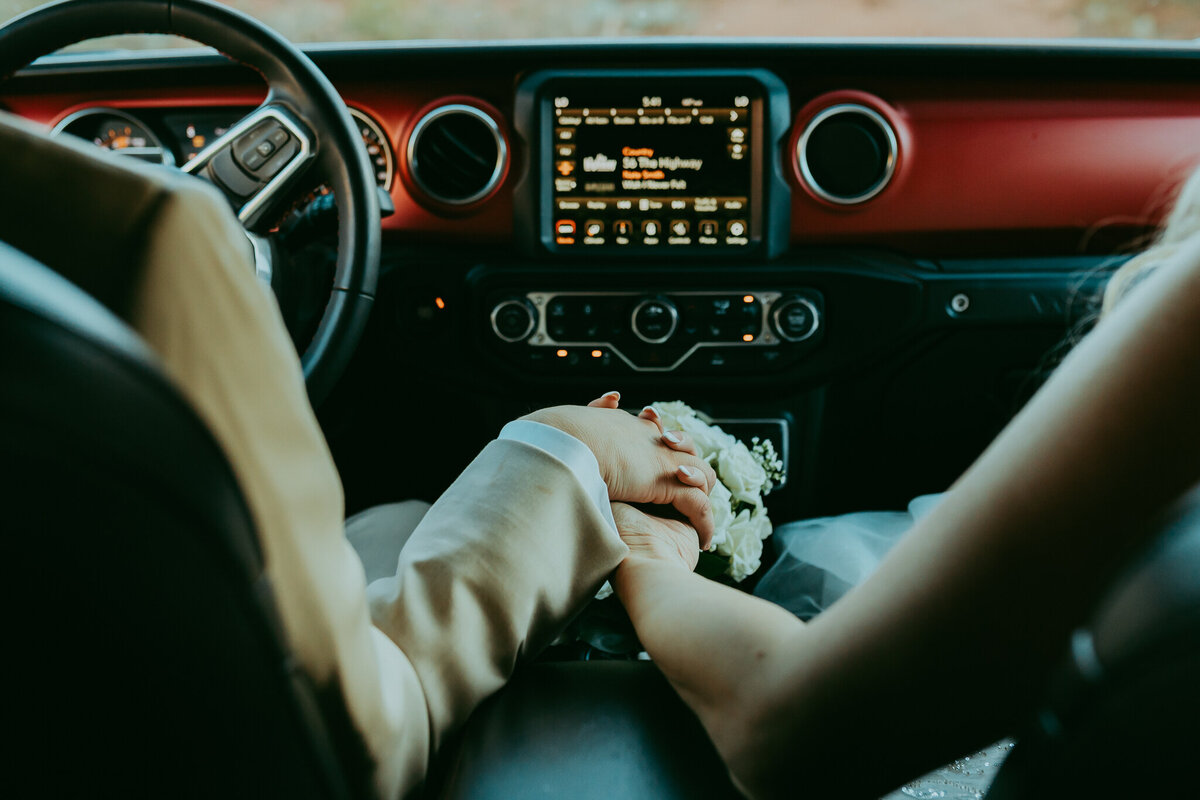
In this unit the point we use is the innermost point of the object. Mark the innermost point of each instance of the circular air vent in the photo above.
(847, 153)
(456, 154)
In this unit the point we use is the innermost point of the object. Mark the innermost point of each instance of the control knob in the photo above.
(654, 320)
(514, 319)
(795, 319)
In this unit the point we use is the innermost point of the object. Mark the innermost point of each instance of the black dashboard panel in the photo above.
(893, 336)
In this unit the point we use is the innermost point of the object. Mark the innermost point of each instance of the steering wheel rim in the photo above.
(295, 84)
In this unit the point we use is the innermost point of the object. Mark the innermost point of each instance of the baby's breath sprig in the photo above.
(764, 453)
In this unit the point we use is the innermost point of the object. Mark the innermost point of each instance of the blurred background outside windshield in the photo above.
(351, 20)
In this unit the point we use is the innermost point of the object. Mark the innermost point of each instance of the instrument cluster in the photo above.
(174, 136)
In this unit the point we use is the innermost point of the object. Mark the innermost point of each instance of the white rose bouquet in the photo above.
(745, 475)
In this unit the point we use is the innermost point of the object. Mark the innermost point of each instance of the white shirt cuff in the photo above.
(575, 454)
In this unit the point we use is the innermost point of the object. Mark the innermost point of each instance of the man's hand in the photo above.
(637, 462)
(662, 540)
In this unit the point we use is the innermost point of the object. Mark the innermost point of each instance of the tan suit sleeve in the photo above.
(512, 548)
(491, 572)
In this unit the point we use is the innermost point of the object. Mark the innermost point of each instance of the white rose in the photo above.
(745, 545)
(742, 473)
(673, 413)
(709, 439)
(760, 523)
(722, 510)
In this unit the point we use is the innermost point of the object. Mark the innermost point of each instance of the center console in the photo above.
(666, 169)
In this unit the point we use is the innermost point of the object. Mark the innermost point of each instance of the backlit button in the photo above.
(708, 227)
(622, 227)
(565, 227)
(593, 227)
(737, 227)
(651, 229)
(680, 227)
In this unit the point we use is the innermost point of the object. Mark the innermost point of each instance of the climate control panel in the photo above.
(696, 331)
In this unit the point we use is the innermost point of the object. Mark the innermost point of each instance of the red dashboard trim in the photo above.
(980, 162)
(1017, 165)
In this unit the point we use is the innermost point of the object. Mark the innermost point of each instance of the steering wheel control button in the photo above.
(795, 319)
(233, 179)
(959, 304)
(265, 150)
(513, 320)
(654, 320)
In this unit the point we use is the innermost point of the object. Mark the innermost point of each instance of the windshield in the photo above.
(361, 20)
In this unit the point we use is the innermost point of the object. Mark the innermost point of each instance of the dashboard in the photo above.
(878, 246)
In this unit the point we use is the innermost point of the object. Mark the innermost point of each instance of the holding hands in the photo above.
(642, 463)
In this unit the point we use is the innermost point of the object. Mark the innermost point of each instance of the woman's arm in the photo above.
(947, 644)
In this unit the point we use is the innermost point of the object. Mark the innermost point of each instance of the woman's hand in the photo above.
(663, 540)
(637, 462)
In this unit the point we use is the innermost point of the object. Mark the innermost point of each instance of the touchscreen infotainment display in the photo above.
(652, 163)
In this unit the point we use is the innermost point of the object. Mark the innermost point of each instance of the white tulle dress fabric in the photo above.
(822, 559)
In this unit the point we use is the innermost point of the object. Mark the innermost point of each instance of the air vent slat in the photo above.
(456, 154)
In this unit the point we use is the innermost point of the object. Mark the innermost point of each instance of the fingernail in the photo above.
(614, 395)
(672, 438)
(651, 409)
(687, 471)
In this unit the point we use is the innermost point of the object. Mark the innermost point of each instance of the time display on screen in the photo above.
(669, 168)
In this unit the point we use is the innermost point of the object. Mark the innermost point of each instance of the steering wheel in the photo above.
(302, 122)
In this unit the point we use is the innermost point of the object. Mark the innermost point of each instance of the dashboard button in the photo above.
(654, 320)
(708, 227)
(513, 320)
(651, 229)
(795, 319)
(680, 227)
(736, 227)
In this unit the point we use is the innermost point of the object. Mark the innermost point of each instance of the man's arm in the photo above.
(494, 570)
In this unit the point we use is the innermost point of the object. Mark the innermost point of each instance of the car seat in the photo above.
(145, 655)
(1122, 717)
